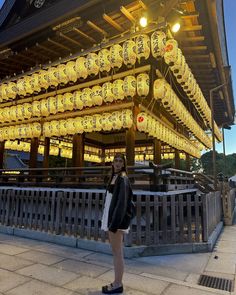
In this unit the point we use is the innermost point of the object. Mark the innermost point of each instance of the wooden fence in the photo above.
(162, 218)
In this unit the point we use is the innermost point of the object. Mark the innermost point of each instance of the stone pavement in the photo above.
(30, 267)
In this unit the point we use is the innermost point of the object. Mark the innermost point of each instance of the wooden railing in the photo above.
(154, 178)
(162, 218)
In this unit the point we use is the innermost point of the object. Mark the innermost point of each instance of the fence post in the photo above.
(205, 225)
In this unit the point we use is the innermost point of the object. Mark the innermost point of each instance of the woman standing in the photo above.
(116, 218)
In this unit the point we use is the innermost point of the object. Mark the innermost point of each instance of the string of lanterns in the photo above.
(148, 124)
(162, 91)
(104, 61)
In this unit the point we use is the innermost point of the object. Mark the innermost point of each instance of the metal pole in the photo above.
(223, 135)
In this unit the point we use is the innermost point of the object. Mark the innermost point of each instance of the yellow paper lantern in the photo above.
(116, 120)
(60, 103)
(86, 97)
(116, 56)
(143, 85)
(20, 84)
(96, 95)
(36, 108)
(96, 122)
(106, 122)
(63, 127)
(53, 77)
(81, 68)
(118, 89)
(12, 113)
(127, 118)
(43, 79)
(19, 112)
(55, 128)
(44, 107)
(52, 105)
(129, 53)
(104, 60)
(11, 90)
(158, 44)
(27, 110)
(70, 125)
(78, 103)
(142, 47)
(61, 74)
(78, 125)
(129, 86)
(71, 71)
(92, 64)
(28, 87)
(107, 92)
(68, 101)
(35, 83)
(47, 129)
(142, 122)
(171, 52)
(87, 124)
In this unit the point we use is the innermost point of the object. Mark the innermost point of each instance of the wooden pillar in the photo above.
(177, 159)
(46, 152)
(130, 144)
(187, 162)
(157, 151)
(2, 150)
(78, 150)
(33, 152)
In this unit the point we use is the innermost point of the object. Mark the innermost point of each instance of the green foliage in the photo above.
(226, 165)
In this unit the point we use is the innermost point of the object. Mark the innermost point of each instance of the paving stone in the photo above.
(226, 246)
(174, 289)
(9, 280)
(55, 276)
(39, 288)
(13, 263)
(11, 249)
(40, 257)
(80, 267)
(225, 263)
(137, 282)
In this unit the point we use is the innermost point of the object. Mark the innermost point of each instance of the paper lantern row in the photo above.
(91, 65)
(106, 121)
(20, 131)
(162, 91)
(88, 97)
(148, 124)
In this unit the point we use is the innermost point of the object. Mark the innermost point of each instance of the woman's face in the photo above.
(118, 164)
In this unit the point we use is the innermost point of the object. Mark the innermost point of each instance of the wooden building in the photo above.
(84, 79)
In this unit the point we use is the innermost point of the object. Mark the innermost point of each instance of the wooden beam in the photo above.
(127, 14)
(130, 146)
(142, 4)
(190, 15)
(78, 150)
(47, 49)
(191, 28)
(192, 39)
(195, 48)
(2, 149)
(84, 35)
(177, 159)
(46, 152)
(157, 151)
(167, 7)
(113, 23)
(33, 152)
(59, 44)
(70, 39)
(96, 28)
(197, 56)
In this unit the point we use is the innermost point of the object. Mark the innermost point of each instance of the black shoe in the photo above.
(110, 289)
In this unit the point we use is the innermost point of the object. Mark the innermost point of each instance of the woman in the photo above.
(116, 218)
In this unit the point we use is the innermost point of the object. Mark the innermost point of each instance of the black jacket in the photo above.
(119, 216)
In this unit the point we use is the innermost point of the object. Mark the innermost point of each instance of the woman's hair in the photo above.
(122, 156)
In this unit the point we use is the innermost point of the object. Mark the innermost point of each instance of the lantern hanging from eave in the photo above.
(142, 47)
(87, 124)
(143, 85)
(97, 122)
(178, 65)
(78, 103)
(70, 124)
(12, 113)
(127, 118)
(86, 97)
(92, 64)
(106, 122)
(78, 125)
(107, 92)
(27, 110)
(129, 86)
(96, 95)
(44, 107)
(118, 89)
(36, 108)
(11, 133)
(129, 53)
(160, 88)
(71, 71)
(68, 101)
(47, 129)
(63, 127)
(55, 128)
(171, 52)
(116, 120)
(19, 113)
(2, 91)
(11, 90)
(81, 68)
(20, 84)
(53, 77)
(61, 74)
(52, 106)
(60, 103)
(28, 87)
(104, 61)
(116, 56)
(35, 83)
(43, 79)
(158, 44)
(36, 129)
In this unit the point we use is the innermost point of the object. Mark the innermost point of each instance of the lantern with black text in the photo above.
(27, 110)
(86, 97)
(70, 124)
(63, 127)
(127, 118)
(107, 92)
(78, 125)
(68, 101)
(81, 68)
(71, 71)
(53, 77)
(142, 47)
(116, 56)
(171, 52)
(92, 64)
(158, 44)
(129, 86)
(61, 74)
(35, 84)
(43, 79)
(118, 89)
(11, 90)
(129, 53)
(78, 103)
(143, 85)
(52, 106)
(104, 60)
(36, 108)
(106, 122)
(60, 103)
(96, 95)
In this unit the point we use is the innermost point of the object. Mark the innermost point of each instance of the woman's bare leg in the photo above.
(116, 241)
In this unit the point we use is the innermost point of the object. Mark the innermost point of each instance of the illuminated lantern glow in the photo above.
(43, 79)
(92, 64)
(12, 113)
(106, 122)
(36, 108)
(19, 112)
(116, 56)
(81, 68)
(78, 103)
(96, 95)
(87, 124)
(20, 84)
(53, 77)
(47, 129)
(63, 127)
(55, 128)
(171, 52)
(158, 44)
(86, 97)
(129, 53)
(127, 118)
(142, 47)
(118, 89)
(60, 103)
(107, 92)
(104, 61)
(68, 101)
(78, 125)
(160, 88)
(35, 83)
(96, 122)
(44, 107)
(36, 129)
(11, 90)
(52, 105)
(28, 87)
(61, 74)
(70, 125)
(27, 110)
(71, 71)
(143, 85)
(129, 86)
(116, 120)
